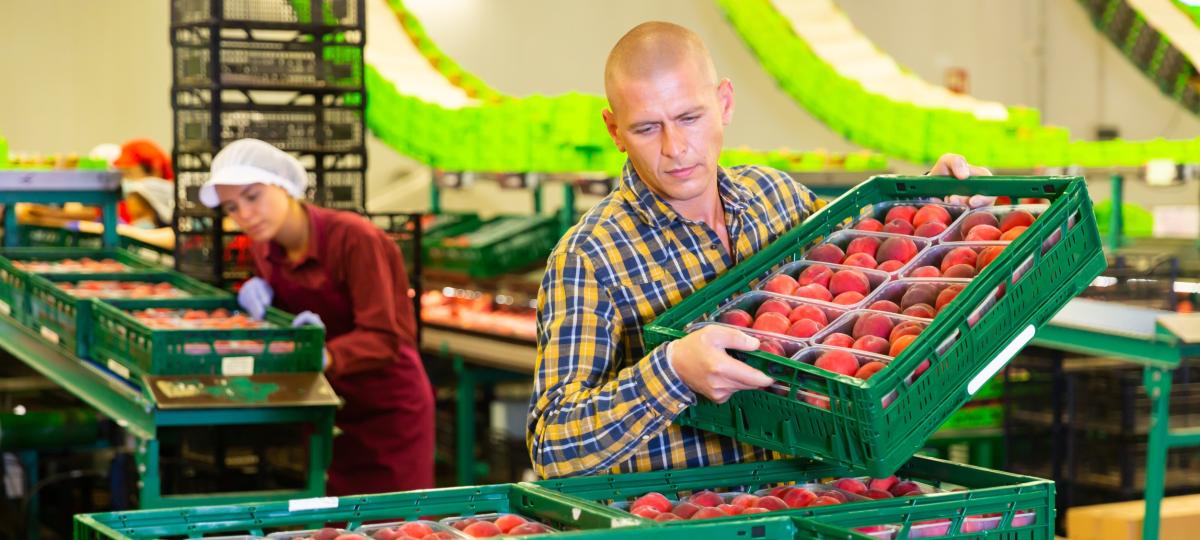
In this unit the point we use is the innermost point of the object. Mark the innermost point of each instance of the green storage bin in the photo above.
(976, 416)
(131, 349)
(874, 426)
(14, 287)
(1027, 500)
(498, 246)
(65, 319)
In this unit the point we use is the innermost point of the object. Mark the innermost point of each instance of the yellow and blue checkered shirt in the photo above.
(601, 401)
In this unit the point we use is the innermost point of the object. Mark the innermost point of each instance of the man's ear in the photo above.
(610, 122)
(725, 100)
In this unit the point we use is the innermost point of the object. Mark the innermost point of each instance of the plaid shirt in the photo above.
(602, 402)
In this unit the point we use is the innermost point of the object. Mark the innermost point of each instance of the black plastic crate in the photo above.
(316, 129)
(270, 13)
(270, 64)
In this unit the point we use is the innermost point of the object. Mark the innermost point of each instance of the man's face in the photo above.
(672, 126)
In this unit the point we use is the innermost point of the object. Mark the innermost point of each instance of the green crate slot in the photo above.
(66, 320)
(14, 283)
(125, 344)
(1056, 258)
(497, 246)
(988, 491)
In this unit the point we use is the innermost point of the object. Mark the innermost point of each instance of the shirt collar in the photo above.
(276, 253)
(652, 209)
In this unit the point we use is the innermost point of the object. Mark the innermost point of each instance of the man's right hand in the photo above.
(702, 363)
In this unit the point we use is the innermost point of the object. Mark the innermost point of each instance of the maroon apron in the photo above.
(386, 420)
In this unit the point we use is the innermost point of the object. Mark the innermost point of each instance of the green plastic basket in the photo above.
(14, 283)
(50, 237)
(66, 320)
(498, 246)
(874, 426)
(975, 416)
(131, 349)
(986, 492)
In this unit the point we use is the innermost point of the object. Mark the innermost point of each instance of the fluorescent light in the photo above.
(1106, 281)
(1187, 287)
(1001, 359)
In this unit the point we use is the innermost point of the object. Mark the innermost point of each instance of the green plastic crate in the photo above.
(66, 320)
(975, 416)
(14, 283)
(874, 426)
(131, 349)
(50, 237)
(498, 246)
(987, 491)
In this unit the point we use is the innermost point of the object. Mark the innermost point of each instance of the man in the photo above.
(602, 402)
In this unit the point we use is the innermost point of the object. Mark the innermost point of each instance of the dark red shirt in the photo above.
(349, 259)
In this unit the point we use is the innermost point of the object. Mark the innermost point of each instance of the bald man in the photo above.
(602, 402)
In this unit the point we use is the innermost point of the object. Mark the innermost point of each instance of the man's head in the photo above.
(667, 109)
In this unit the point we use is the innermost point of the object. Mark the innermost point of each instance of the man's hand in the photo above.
(704, 366)
(957, 166)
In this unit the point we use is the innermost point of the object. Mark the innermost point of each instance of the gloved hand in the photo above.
(307, 318)
(255, 297)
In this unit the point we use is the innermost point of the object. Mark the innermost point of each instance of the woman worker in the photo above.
(337, 270)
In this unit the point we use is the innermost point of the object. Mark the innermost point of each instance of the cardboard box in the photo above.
(1180, 520)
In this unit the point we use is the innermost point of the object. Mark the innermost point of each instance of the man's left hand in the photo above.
(956, 166)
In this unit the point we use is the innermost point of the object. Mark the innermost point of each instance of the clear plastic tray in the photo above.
(879, 210)
(789, 345)
(843, 238)
(845, 325)
(895, 291)
(751, 301)
(450, 522)
(875, 278)
(936, 254)
(373, 530)
(305, 534)
(955, 234)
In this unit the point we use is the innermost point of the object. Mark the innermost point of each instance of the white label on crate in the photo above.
(617, 523)
(116, 367)
(315, 503)
(575, 513)
(237, 365)
(1001, 359)
(50, 335)
(5, 309)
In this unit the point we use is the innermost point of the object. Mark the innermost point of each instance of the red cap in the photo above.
(145, 152)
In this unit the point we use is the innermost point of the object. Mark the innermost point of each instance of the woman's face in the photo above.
(259, 209)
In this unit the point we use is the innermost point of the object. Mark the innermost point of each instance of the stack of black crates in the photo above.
(289, 72)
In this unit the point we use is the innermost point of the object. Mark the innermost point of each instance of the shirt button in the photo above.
(714, 245)
(645, 437)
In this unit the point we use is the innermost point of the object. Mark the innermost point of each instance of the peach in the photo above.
(781, 491)
(781, 284)
(421, 530)
(528, 528)
(923, 311)
(945, 297)
(816, 400)
(883, 484)
(803, 328)
(877, 494)
(983, 233)
(482, 529)
(871, 344)
(709, 513)
(905, 213)
(1012, 234)
(754, 510)
(773, 306)
(839, 362)
(835, 495)
(810, 312)
(901, 343)
(958, 255)
(1016, 218)
(799, 498)
(827, 253)
(653, 499)
(919, 293)
(648, 512)
(986, 256)
(898, 226)
(848, 298)
(903, 488)
(771, 346)
(930, 229)
(849, 280)
(744, 500)
(897, 249)
(884, 305)
(506, 522)
(853, 485)
(926, 272)
(872, 324)
(825, 500)
(667, 516)
(889, 266)
(861, 260)
(863, 244)
(814, 291)
(931, 213)
(460, 525)
(905, 328)
(706, 498)
(817, 273)
(961, 271)
(736, 317)
(730, 509)
(978, 218)
(869, 224)
(869, 369)
(772, 503)
(838, 339)
(685, 509)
